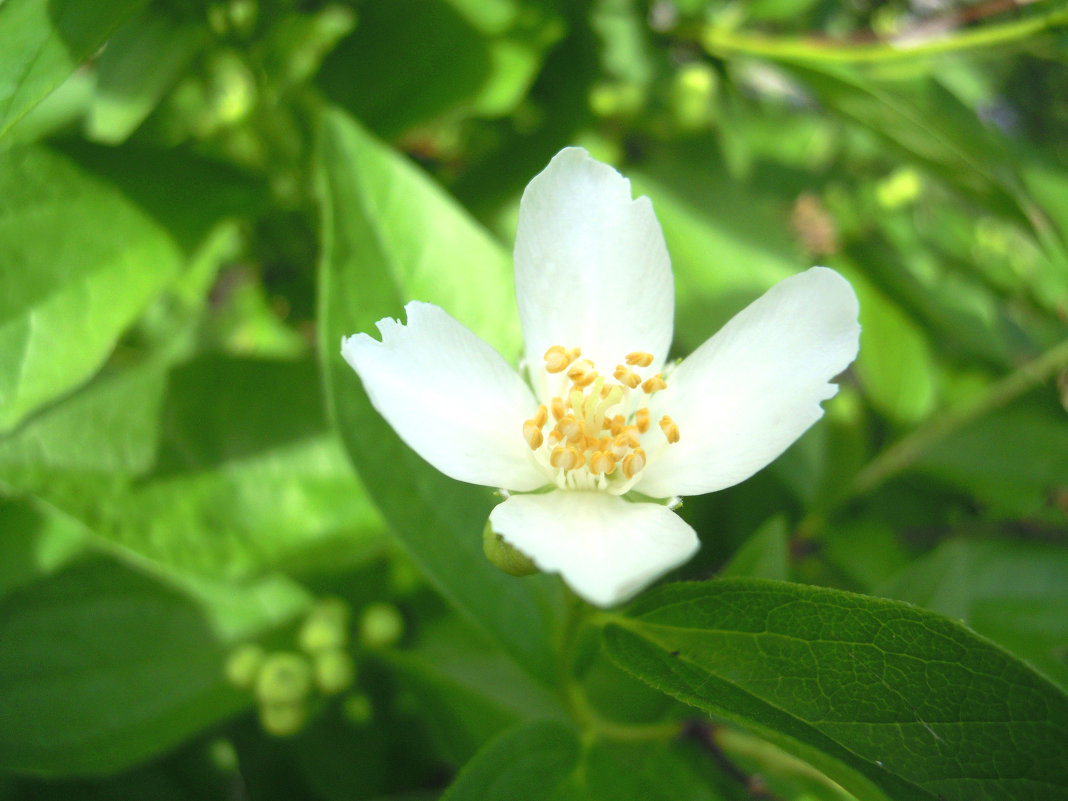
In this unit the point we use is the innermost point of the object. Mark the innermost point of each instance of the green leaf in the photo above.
(886, 699)
(220, 468)
(1013, 592)
(44, 42)
(766, 554)
(468, 690)
(142, 61)
(390, 236)
(544, 760)
(894, 365)
(37, 541)
(1012, 460)
(528, 762)
(103, 668)
(422, 58)
(70, 285)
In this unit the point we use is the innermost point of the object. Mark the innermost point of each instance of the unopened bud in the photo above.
(504, 555)
(381, 626)
(282, 720)
(243, 664)
(326, 626)
(284, 678)
(334, 671)
(357, 708)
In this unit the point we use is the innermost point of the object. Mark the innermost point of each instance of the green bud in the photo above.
(358, 709)
(693, 94)
(505, 556)
(381, 626)
(223, 755)
(326, 627)
(243, 664)
(334, 671)
(282, 720)
(284, 678)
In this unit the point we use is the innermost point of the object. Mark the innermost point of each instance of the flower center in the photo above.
(595, 432)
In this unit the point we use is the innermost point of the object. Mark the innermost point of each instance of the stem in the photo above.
(905, 451)
(588, 718)
(724, 42)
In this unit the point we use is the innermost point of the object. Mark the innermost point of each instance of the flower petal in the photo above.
(606, 548)
(591, 267)
(450, 396)
(748, 392)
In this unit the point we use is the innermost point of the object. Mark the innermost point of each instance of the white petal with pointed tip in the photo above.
(450, 396)
(748, 392)
(591, 267)
(606, 548)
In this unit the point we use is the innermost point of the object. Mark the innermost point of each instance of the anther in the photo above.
(654, 384)
(628, 437)
(541, 415)
(641, 420)
(558, 408)
(570, 429)
(624, 375)
(582, 373)
(633, 463)
(617, 424)
(671, 431)
(640, 358)
(532, 434)
(565, 458)
(602, 462)
(557, 359)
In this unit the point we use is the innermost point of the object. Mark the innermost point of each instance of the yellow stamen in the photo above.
(628, 437)
(565, 458)
(640, 358)
(671, 431)
(541, 415)
(570, 428)
(532, 434)
(602, 462)
(557, 359)
(582, 373)
(654, 384)
(633, 463)
(641, 420)
(617, 424)
(558, 408)
(555, 437)
(624, 375)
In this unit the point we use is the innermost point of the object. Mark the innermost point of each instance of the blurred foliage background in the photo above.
(199, 598)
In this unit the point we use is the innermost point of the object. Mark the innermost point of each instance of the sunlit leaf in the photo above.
(391, 236)
(70, 286)
(46, 41)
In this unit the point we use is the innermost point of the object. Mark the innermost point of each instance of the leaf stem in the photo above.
(905, 451)
(722, 41)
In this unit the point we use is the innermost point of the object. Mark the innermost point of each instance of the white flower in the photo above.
(599, 413)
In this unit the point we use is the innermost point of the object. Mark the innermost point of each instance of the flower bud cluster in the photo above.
(286, 683)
